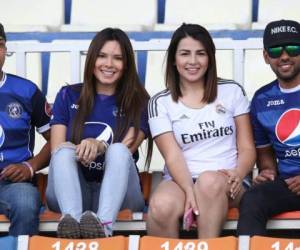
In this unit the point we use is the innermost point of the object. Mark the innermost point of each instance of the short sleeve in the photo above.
(159, 120)
(260, 136)
(41, 112)
(144, 122)
(240, 102)
(60, 112)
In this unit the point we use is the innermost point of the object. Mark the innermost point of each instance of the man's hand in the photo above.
(16, 173)
(294, 184)
(265, 175)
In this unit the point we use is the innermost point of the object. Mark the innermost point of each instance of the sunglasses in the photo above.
(291, 50)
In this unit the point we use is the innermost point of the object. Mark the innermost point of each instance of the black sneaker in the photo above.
(68, 228)
(90, 226)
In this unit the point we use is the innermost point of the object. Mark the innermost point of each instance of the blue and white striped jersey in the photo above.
(22, 108)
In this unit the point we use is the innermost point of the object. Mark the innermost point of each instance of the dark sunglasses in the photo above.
(291, 50)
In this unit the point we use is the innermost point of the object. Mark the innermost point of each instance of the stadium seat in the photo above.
(266, 243)
(94, 15)
(213, 14)
(8, 243)
(221, 243)
(111, 243)
(32, 15)
(270, 10)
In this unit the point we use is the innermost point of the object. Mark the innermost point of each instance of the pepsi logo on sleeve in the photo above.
(288, 127)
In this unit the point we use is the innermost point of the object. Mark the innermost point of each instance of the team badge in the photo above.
(288, 127)
(2, 136)
(220, 109)
(14, 110)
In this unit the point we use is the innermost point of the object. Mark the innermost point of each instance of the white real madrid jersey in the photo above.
(206, 136)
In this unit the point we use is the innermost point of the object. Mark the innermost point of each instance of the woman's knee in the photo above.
(65, 149)
(118, 155)
(211, 184)
(118, 149)
(164, 207)
(63, 155)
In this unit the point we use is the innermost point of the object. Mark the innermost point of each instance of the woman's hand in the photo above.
(234, 180)
(190, 201)
(88, 150)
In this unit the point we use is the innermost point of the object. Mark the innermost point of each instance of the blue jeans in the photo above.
(69, 193)
(21, 203)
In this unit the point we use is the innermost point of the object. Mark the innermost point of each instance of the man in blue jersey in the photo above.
(275, 113)
(22, 109)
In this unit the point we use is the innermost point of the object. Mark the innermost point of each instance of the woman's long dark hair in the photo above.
(131, 96)
(200, 34)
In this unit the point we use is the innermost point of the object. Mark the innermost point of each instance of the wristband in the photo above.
(27, 164)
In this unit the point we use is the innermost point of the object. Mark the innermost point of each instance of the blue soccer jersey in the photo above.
(100, 124)
(275, 114)
(22, 108)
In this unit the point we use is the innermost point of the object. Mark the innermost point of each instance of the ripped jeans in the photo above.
(69, 193)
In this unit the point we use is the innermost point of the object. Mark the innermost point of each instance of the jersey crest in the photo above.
(14, 110)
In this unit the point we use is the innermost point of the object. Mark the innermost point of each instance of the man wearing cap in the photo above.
(22, 108)
(275, 115)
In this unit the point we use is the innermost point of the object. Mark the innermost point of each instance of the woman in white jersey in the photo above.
(201, 126)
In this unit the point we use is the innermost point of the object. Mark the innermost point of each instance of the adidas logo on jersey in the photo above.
(183, 117)
(275, 103)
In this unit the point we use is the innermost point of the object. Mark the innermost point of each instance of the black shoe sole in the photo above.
(68, 228)
(90, 227)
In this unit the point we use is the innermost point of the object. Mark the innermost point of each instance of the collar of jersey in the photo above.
(289, 90)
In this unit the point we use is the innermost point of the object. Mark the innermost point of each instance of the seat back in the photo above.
(266, 243)
(8, 242)
(49, 13)
(270, 10)
(212, 14)
(114, 13)
(222, 243)
(50, 243)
